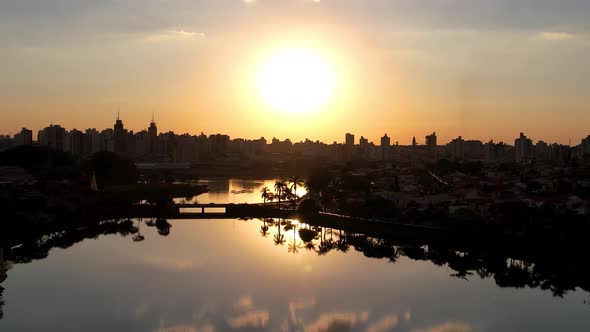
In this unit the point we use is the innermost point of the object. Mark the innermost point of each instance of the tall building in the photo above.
(94, 141)
(523, 148)
(385, 147)
(542, 151)
(431, 145)
(153, 136)
(349, 139)
(431, 141)
(414, 143)
(456, 149)
(52, 136)
(119, 137)
(24, 137)
(76, 143)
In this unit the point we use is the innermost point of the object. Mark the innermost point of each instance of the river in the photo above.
(255, 275)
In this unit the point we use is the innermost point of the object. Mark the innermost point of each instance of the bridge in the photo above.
(205, 206)
(220, 211)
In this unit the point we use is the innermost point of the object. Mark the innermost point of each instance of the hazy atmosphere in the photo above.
(484, 69)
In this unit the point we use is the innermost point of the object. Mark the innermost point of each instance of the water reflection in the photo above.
(237, 191)
(212, 274)
(559, 275)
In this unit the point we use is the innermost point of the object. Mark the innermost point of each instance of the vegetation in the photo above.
(111, 170)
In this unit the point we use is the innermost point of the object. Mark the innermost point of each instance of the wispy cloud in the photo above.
(258, 318)
(187, 328)
(385, 324)
(167, 264)
(244, 304)
(174, 35)
(336, 321)
(556, 36)
(448, 327)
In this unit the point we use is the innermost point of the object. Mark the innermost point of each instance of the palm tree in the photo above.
(264, 230)
(265, 194)
(279, 190)
(296, 181)
(279, 239)
(271, 198)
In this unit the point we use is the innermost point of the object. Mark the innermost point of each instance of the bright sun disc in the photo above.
(296, 81)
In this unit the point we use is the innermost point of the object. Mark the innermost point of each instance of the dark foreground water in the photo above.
(239, 275)
(278, 275)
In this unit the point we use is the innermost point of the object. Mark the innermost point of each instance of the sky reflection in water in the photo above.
(213, 275)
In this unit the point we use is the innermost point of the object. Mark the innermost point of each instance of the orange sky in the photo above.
(195, 66)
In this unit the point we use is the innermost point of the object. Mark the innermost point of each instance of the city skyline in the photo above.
(484, 68)
(432, 138)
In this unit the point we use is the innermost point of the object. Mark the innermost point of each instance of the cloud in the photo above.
(408, 315)
(336, 322)
(174, 35)
(556, 36)
(258, 318)
(449, 327)
(244, 304)
(168, 264)
(187, 328)
(385, 324)
(300, 305)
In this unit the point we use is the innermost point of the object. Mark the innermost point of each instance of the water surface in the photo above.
(226, 275)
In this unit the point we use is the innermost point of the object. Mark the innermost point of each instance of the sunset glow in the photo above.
(296, 81)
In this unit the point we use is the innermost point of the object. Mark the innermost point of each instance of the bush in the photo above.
(308, 206)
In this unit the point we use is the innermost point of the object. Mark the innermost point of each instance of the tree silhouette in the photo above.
(265, 194)
(279, 190)
(111, 169)
(264, 230)
(295, 182)
(279, 239)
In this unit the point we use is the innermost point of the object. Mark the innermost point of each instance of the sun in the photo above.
(296, 81)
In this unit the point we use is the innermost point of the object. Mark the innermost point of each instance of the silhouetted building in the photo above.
(24, 137)
(431, 142)
(474, 149)
(52, 136)
(349, 140)
(143, 144)
(76, 143)
(120, 137)
(523, 148)
(385, 147)
(153, 136)
(220, 142)
(456, 149)
(94, 141)
(542, 151)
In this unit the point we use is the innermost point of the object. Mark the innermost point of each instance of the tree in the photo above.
(296, 181)
(265, 194)
(280, 190)
(111, 169)
(279, 239)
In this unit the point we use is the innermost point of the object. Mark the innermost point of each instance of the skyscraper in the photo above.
(349, 139)
(120, 137)
(52, 136)
(24, 137)
(431, 141)
(523, 148)
(456, 149)
(385, 147)
(153, 136)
